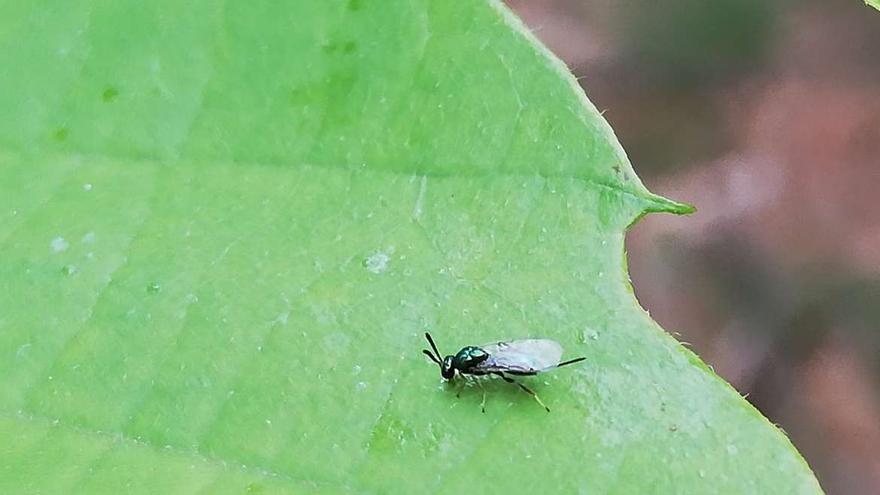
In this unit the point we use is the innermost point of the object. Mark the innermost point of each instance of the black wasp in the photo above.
(514, 357)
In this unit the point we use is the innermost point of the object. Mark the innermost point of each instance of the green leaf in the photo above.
(873, 3)
(225, 227)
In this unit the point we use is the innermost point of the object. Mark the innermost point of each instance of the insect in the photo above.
(515, 357)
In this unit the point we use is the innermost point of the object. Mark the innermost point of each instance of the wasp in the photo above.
(524, 357)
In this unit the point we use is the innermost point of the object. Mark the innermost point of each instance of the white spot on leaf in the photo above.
(59, 245)
(420, 199)
(378, 262)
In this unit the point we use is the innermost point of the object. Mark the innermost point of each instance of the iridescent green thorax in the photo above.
(469, 357)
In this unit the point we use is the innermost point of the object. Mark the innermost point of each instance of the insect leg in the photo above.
(466, 381)
(523, 388)
(483, 389)
(533, 394)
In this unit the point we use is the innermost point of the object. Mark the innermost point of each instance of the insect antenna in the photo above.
(428, 353)
(434, 346)
(570, 361)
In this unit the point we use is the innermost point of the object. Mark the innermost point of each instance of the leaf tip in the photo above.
(659, 204)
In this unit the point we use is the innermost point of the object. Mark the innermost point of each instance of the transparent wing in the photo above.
(522, 356)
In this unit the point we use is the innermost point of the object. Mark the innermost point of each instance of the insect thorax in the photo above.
(468, 357)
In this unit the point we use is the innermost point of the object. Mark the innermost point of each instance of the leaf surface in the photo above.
(225, 227)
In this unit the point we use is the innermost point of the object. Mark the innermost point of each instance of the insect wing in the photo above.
(522, 356)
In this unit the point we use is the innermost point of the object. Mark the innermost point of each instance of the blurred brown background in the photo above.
(766, 116)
